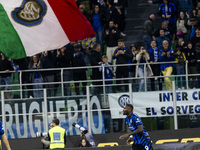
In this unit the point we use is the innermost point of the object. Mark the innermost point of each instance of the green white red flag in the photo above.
(28, 27)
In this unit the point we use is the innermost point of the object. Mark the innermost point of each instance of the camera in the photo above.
(83, 130)
(41, 134)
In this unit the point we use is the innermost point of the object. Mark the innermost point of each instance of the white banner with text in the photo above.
(155, 104)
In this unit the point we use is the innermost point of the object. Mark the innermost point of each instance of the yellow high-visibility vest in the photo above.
(57, 137)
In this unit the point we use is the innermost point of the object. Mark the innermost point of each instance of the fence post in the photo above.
(174, 105)
(104, 88)
(186, 74)
(88, 108)
(130, 93)
(145, 77)
(20, 82)
(3, 111)
(62, 85)
(45, 111)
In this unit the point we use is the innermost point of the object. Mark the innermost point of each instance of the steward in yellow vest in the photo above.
(57, 136)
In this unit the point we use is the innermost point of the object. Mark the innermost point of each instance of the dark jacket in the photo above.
(65, 60)
(133, 61)
(123, 59)
(95, 58)
(109, 13)
(22, 63)
(191, 56)
(5, 65)
(48, 62)
(194, 40)
(148, 27)
(78, 61)
(111, 39)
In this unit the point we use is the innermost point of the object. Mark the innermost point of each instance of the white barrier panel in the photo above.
(26, 117)
(155, 104)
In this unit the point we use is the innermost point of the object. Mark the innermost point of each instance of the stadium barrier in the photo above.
(60, 71)
(156, 109)
(187, 139)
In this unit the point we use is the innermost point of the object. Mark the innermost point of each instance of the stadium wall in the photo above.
(162, 139)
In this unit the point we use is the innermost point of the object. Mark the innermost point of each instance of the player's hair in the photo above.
(56, 121)
(130, 105)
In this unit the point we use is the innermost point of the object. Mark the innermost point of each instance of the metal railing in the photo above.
(103, 80)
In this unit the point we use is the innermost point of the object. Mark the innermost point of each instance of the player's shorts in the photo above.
(140, 147)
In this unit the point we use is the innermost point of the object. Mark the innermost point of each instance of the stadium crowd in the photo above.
(177, 39)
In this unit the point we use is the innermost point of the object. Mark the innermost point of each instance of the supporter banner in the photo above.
(151, 104)
(25, 117)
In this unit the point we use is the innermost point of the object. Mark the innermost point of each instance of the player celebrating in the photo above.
(138, 133)
(3, 137)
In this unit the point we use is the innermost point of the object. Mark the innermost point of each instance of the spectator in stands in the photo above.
(167, 11)
(159, 40)
(134, 51)
(166, 54)
(64, 60)
(194, 3)
(193, 13)
(109, 11)
(36, 76)
(82, 10)
(97, 21)
(181, 25)
(122, 56)
(197, 49)
(198, 6)
(112, 35)
(191, 59)
(119, 19)
(23, 65)
(79, 74)
(101, 3)
(124, 4)
(180, 44)
(148, 29)
(191, 29)
(96, 60)
(48, 59)
(169, 32)
(142, 57)
(160, 1)
(5, 78)
(107, 72)
(184, 6)
(180, 67)
(196, 38)
(153, 53)
(198, 18)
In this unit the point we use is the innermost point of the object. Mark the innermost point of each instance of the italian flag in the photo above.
(28, 27)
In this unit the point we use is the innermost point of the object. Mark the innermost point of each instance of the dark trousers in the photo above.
(156, 72)
(80, 76)
(26, 80)
(140, 147)
(197, 72)
(122, 73)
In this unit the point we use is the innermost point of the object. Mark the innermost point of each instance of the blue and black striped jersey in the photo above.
(141, 138)
(1, 130)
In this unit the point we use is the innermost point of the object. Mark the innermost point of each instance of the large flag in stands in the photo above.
(28, 27)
